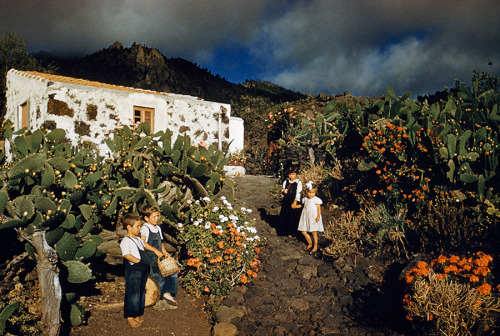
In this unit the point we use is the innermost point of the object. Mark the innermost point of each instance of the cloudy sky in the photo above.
(311, 46)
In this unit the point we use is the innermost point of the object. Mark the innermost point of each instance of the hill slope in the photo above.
(146, 68)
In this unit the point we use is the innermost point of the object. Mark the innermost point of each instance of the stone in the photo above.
(307, 272)
(224, 329)
(298, 304)
(227, 314)
(162, 305)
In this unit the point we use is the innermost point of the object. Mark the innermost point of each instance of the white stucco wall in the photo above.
(201, 120)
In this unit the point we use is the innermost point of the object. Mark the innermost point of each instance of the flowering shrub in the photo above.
(452, 294)
(290, 124)
(221, 247)
(400, 167)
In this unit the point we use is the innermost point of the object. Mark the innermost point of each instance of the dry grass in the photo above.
(319, 173)
(453, 308)
(345, 233)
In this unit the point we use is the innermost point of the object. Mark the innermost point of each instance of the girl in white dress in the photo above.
(310, 219)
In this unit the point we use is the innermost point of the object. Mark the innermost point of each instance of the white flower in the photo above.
(243, 209)
(249, 210)
(180, 224)
(230, 207)
(256, 237)
(223, 197)
(207, 225)
(218, 227)
(206, 199)
(215, 209)
(189, 201)
(197, 201)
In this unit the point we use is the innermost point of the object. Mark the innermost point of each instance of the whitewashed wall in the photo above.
(89, 113)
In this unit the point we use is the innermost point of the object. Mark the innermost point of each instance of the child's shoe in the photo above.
(170, 299)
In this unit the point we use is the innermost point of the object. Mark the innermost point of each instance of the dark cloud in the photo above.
(312, 46)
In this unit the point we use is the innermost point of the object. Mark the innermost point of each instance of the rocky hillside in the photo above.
(146, 68)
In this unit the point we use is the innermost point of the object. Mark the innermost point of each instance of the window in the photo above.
(144, 114)
(22, 117)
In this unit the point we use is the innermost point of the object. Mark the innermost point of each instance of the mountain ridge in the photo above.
(147, 68)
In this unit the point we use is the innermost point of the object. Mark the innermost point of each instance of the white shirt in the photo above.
(131, 246)
(299, 188)
(152, 228)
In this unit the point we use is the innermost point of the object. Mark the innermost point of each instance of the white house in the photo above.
(89, 110)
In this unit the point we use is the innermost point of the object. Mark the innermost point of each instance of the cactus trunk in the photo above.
(50, 288)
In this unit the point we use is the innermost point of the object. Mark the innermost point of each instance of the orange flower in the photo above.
(206, 289)
(409, 278)
(421, 264)
(243, 279)
(484, 289)
(473, 278)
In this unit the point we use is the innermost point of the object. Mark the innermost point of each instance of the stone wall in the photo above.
(89, 111)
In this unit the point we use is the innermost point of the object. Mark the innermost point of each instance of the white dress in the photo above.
(309, 213)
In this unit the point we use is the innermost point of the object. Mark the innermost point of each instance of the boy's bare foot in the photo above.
(138, 319)
(308, 247)
(133, 323)
(314, 249)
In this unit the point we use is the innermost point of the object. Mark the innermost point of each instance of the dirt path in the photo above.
(295, 293)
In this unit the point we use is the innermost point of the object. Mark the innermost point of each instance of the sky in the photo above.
(310, 46)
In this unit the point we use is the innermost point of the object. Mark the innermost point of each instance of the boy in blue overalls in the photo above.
(136, 270)
(152, 237)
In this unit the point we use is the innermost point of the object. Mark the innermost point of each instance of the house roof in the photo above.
(78, 81)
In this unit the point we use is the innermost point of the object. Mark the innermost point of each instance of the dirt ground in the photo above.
(106, 315)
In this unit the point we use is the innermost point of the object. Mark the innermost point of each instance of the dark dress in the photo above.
(289, 217)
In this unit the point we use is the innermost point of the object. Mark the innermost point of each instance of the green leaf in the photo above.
(32, 162)
(12, 224)
(110, 144)
(76, 316)
(21, 145)
(443, 151)
(56, 135)
(69, 222)
(125, 191)
(48, 176)
(88, 226)
(78, 272)
(36, 140)
(44, 204)
(451, 172)
(4, 198)
(70, 179)
(391, 93)
(468, 178)
(59, 163)
(66, 246)
(143, 142)
(112, 207)
(94, 177)
(199, 170)
(86, 211)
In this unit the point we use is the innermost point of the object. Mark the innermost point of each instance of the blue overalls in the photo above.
(167, 284)
(136, 276)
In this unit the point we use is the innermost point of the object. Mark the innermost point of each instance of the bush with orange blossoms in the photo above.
(452, 294)
(221, 247)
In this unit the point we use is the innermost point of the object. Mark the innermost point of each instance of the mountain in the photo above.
(146, 68)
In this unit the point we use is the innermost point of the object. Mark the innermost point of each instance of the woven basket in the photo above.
(168, 266)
